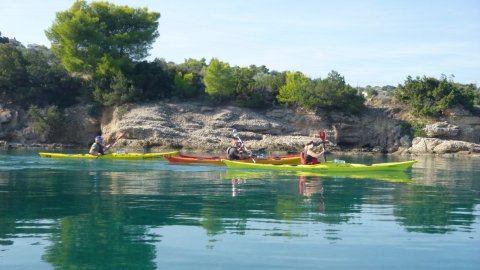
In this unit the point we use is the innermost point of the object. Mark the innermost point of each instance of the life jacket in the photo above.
(232, 153)
(98, 148)
(306, 159)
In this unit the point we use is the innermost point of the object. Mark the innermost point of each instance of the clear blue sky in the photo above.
(369, 42)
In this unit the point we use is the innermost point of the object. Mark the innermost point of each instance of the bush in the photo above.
(45, 122)
(183, 85)
(331, 93)
(431, 97)
(413, 129)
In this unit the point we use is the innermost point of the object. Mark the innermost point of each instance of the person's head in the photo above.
(235, 141)
(98, 139)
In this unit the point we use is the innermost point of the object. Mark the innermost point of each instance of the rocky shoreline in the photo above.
(195, 127)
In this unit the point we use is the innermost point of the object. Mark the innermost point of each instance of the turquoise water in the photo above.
(104, 214)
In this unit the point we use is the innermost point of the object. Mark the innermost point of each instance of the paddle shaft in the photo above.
(323, 137)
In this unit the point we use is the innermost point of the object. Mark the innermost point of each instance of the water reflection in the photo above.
(119, 216)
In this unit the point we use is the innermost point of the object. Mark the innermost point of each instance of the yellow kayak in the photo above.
(325, 167)
(133, 156)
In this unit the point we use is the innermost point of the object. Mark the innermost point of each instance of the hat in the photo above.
(98, 138)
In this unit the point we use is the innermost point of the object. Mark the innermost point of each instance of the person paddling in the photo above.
(309, 156)
(98, 148)
(236, 150)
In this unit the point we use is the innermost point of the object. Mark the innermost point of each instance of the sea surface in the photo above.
(112, 214)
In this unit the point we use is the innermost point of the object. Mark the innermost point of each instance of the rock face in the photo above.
(195, 126)
(10, 122)
(78, 128)
(438, 146)
(441, 130)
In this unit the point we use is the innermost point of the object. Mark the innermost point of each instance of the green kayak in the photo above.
(110, 156)
(324, 167)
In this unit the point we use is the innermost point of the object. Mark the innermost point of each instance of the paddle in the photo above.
(235, 134)
(119, 136)
(323, 137)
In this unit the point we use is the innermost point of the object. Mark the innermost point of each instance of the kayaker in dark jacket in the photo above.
(98, 148)
(236, 150)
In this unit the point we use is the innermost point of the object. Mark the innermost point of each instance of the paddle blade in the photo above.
(119, 136)
(322, 135)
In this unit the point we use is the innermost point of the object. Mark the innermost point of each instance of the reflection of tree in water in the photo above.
(443, 198)
(289, 201)
(100, 237)
(430, 209)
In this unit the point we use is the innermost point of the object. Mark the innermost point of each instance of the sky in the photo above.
(369, 42)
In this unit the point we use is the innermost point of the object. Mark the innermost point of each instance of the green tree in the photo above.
(197, 69)
(183, 85)
(3, 40)
(13, 74)
(121, 89)
(429, 96)
(49, 82)
(295, 84)
(270, 82)
(154, 79)
(192, 66)
(219, 81)
(46, 122)
(255, 87)
(332, 93)
(84, 34)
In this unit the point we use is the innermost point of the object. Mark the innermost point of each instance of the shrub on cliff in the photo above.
(219, 81)
(256, 87)
(331, 93)
(34, 76)
(45, 122)
(431, 97)
(183, 85)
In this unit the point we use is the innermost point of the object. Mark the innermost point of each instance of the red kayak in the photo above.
(216, 160)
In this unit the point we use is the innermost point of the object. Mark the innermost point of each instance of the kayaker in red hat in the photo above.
(309, 156)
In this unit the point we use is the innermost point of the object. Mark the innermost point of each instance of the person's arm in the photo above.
(314, 154)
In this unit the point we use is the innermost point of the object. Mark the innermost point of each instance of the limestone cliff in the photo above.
(195, 126)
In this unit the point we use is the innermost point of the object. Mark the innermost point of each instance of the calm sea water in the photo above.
(101, 214)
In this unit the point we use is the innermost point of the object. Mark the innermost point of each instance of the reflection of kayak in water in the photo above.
(110, 156)
(390, 176)
(218, 160)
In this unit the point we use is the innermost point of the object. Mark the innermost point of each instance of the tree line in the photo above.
(97, 55)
